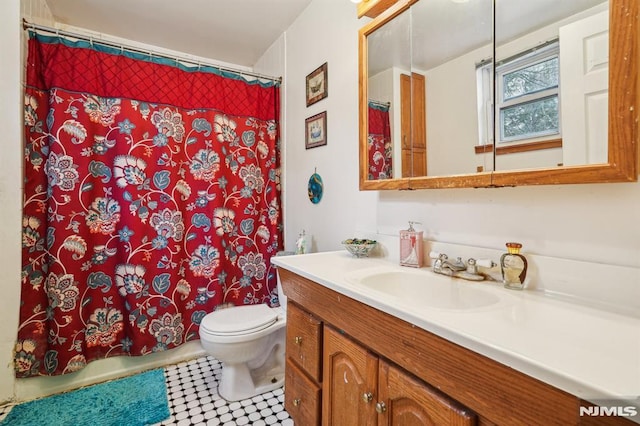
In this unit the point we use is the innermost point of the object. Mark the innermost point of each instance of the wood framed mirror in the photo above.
(410, 151)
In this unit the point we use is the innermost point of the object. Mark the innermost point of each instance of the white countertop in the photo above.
(587, 352)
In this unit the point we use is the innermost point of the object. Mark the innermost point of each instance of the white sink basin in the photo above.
(429, 290)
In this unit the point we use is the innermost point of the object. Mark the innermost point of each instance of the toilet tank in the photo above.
(281, 297)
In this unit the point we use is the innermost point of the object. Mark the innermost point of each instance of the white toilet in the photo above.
(249, 341)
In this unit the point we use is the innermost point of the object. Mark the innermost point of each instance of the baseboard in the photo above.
(103, 370)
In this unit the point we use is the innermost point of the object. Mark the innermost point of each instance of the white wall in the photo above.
(325, 32)
(451, 101)
(10, 189)
(594, 223)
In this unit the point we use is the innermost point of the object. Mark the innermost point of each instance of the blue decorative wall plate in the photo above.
(315, 188)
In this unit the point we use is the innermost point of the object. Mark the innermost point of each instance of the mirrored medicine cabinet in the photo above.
(484, 93)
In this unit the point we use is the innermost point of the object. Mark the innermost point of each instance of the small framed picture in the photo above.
(317, 85)
(316, 130)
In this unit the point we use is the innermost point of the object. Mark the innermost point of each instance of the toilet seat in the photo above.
(239, 320)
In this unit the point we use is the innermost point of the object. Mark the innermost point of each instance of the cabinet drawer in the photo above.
(302, 397)
(304, 337)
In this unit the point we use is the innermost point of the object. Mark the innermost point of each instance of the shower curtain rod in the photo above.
(58, 32)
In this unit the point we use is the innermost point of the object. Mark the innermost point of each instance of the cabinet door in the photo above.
(303, 346)
(410, 402)
(349, 382)
(418, 111)
(405, 124)
(413, 125)
(418, 125)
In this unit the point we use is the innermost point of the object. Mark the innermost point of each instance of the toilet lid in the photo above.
(239, 319)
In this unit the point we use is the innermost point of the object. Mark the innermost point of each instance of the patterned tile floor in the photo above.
(192, 391)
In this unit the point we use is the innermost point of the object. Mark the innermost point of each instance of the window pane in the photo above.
(530, 119)
(536, 77)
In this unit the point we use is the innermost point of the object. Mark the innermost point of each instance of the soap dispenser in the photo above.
(514, 267)
(302, 243)
(411, 247)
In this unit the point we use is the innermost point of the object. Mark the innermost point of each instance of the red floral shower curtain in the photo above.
(379, 142)
(151, 198)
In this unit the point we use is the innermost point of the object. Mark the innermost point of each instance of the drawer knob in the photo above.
(296, 402)
(298, 340)
(367, 397)
(381, 407)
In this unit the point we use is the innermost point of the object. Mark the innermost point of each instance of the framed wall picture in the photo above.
(316, 130)
(317, 85)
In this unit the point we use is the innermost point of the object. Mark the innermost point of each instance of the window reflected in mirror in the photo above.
(551, 80)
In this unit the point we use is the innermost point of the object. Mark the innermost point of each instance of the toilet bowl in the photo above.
(249, 342)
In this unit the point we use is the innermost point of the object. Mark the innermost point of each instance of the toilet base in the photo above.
(237, 382)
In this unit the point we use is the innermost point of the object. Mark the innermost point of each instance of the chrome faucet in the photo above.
(443, 265)
(458, 268)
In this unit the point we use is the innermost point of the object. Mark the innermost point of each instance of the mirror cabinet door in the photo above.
(424, 66)
(551, 77)
(388, 105)
(565, 85)
(451, 48)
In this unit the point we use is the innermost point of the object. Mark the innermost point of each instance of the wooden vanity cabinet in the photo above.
(415, 373)
(360, 388)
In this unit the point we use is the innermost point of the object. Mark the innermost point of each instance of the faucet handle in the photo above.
(436, 255)
(437, 260)
(472, 266)
(486, 263)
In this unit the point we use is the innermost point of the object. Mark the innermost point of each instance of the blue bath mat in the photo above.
(137, 400)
